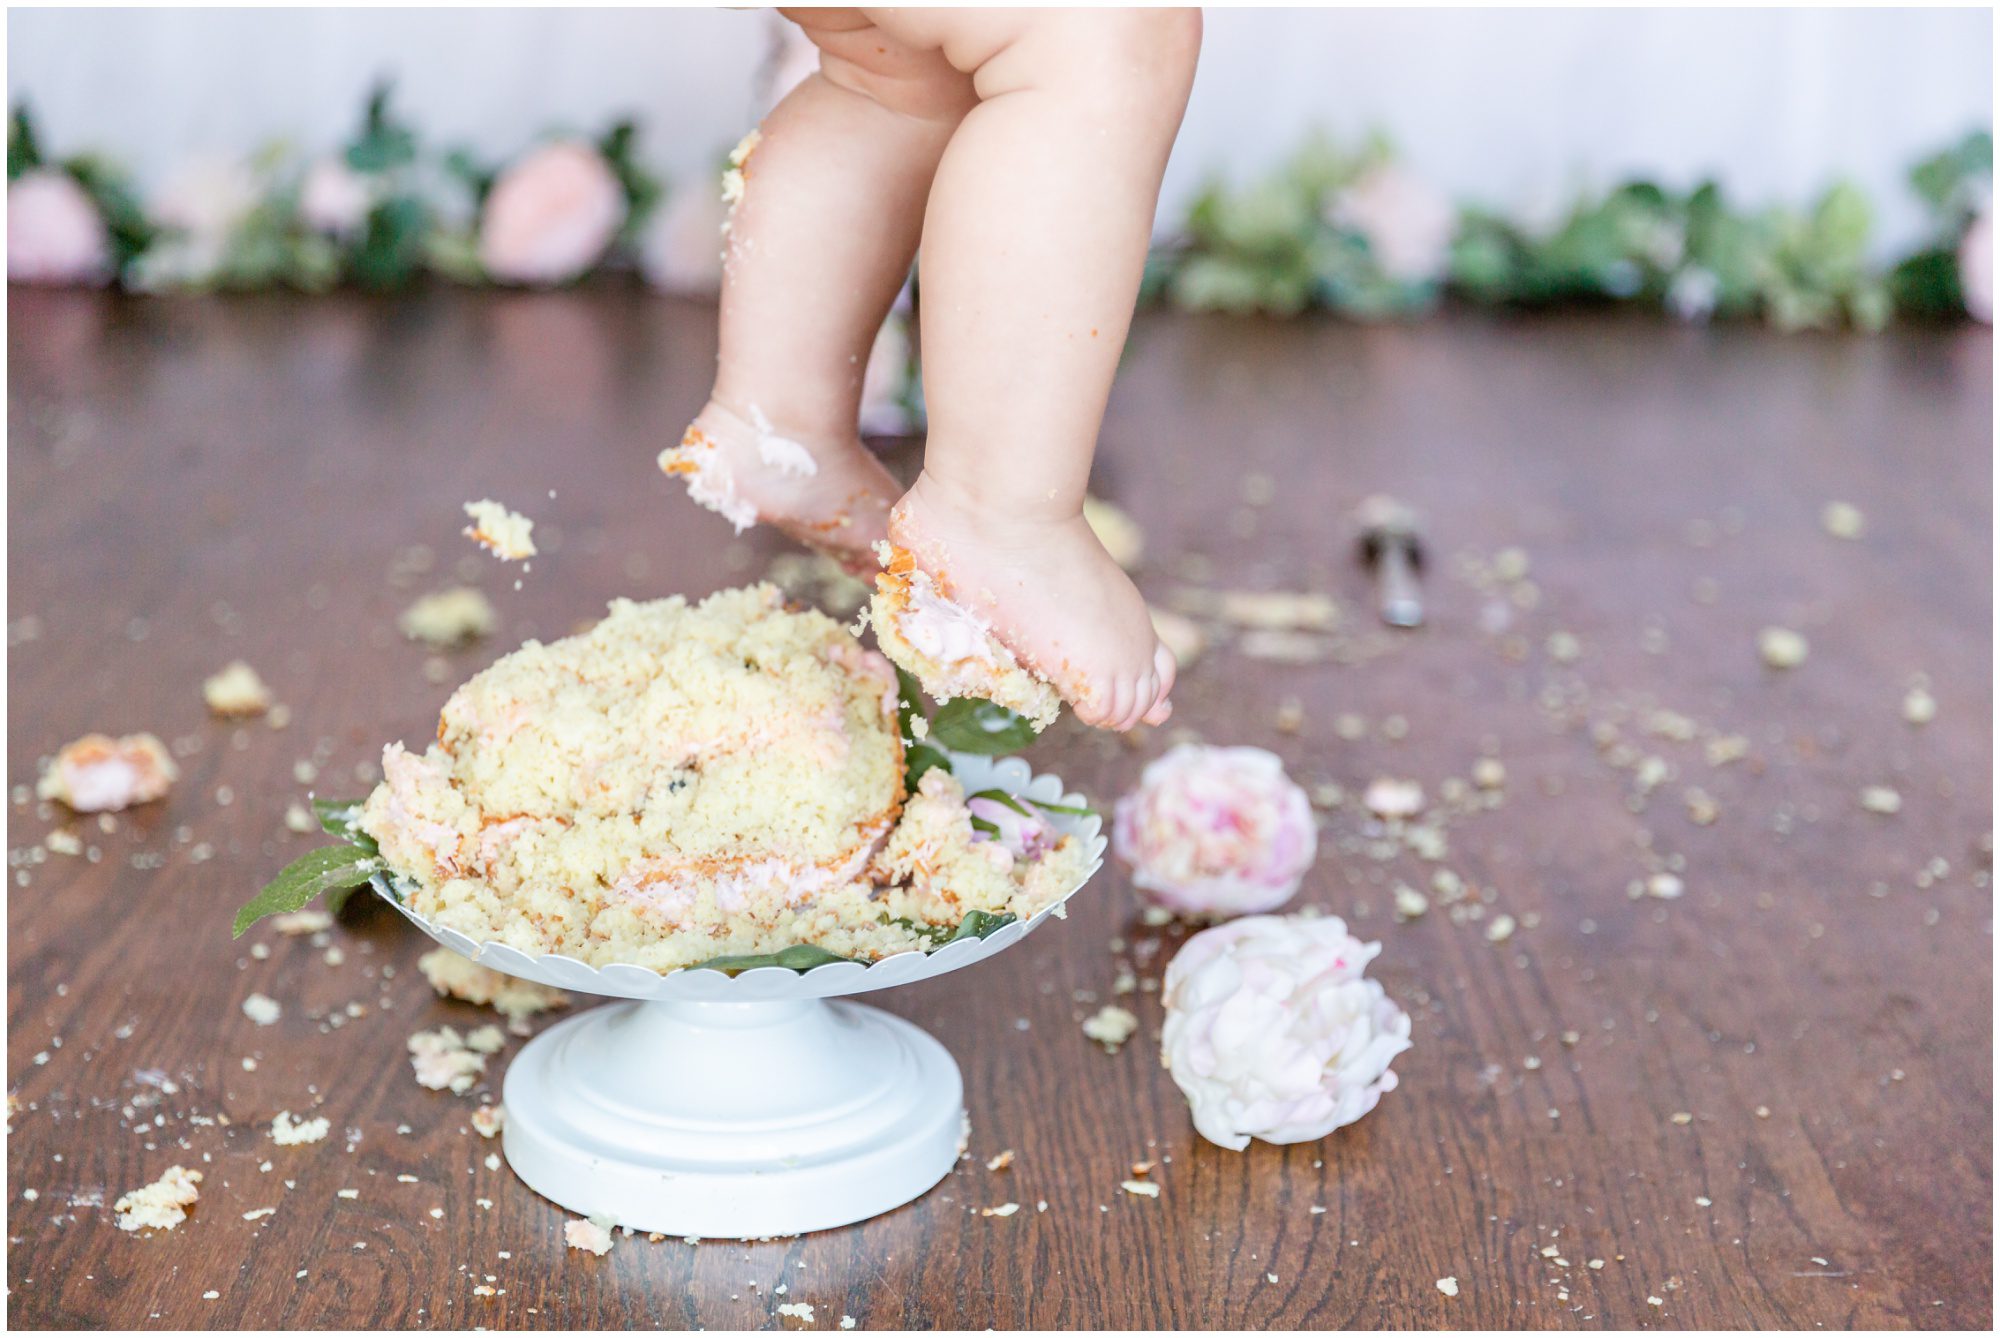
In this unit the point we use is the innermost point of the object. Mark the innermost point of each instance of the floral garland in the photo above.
(1357, 233)
(1351, 231)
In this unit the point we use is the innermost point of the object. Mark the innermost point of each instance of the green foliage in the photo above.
(1277, 245)
(24, 152)
(330, 869)
(642, 189)
(384, 144)
(118, 201)
(969, 725)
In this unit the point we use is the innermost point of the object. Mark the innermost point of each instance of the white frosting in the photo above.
(712, 487)
(781, 453)
(945, 631)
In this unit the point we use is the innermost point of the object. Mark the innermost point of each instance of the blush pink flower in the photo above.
(1216, 831)
(551, 216)
(1975, 267)
(334, 198)
(1272, 1032)
(1026, 836)
(54, 233)
(1407, 222)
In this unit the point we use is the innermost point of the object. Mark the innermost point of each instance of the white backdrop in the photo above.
(1508, 108)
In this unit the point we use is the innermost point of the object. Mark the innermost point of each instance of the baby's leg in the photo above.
(819, 243)
(1033, 244)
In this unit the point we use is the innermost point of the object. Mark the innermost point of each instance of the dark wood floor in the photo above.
(1774, 1103)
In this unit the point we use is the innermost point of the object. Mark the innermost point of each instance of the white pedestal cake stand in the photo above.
(746, 1106)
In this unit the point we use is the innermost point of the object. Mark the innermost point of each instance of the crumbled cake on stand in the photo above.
(692, 782)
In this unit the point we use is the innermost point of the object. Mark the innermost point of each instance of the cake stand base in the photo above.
(739, 1120)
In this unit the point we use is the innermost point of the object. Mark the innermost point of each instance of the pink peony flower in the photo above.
(1025, 836)
(551, 215)
(682, 252)
(1975, 267)
(1216, 831)
(200, 207)
(334, 198)
(54, 232)
(1407, 223)
(1272, 1032)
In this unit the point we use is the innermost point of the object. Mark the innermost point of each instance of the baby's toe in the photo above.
(1167, 668)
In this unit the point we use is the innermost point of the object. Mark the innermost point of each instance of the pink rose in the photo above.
(1408, 225)
(1216, 831)
(551, 215)
(1975, 267)
(54, 232)
(1272, 1032)
(334, 198)
(682, 252)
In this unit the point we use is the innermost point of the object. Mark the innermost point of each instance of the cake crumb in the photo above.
(1881, 799)
(286, 1132)
(1842, 520)
(457, 977)
(262, 1009)
(1000, 1161)
(162, 1204)
(100, 774)
(445, 1060)
(1919, 707)
(1782, 648)
(1111, 1026)
(504, 533)
(236, 691)
(487, 1121)
(449, 617)
(294, 924)
(1145, 1189)
(592, 1234)
(1449, 1286)
(1001, 1210)
(798, 1310)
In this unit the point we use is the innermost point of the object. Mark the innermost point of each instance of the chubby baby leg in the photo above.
(821, 237)
(1033, 245)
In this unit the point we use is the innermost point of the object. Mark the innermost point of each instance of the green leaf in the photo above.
(642, 189)
(982, 825)
(328, 869)
(1001, 797)
(342, 818)
(391, 248)
(798, 957)
(969, 725)
(384, 145)
(24, 152)
(976, 924)
(919, 758)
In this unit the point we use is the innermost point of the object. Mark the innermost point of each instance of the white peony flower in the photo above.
(1216, 831)
(1407, 223)
(1975, 267)
(54, 233)
(551, 215)
(1272, 1032)
(334, 198)
(200, 207)
(682, 250)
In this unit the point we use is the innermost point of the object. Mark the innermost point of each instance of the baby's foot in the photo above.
(831, 496)
(1050, 594)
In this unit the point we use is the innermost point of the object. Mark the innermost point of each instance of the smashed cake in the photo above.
(951, 650)
(687, 782)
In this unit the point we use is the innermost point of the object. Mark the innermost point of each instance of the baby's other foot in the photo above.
(833, 496)
(1048, 591)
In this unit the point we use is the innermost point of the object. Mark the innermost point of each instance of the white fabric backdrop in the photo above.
(1510, 108)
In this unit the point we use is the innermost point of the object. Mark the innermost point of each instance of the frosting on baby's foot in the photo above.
(950, 648)
(698, 460)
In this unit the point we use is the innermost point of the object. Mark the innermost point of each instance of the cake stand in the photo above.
(750, 1105)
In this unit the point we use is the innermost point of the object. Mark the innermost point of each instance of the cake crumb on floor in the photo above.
(162, 1204)
(236, 691)
(589, 1233)
(504, 533)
